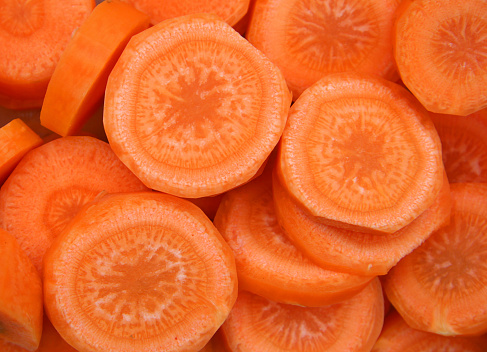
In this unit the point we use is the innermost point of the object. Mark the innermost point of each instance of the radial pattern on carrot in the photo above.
(151, 273)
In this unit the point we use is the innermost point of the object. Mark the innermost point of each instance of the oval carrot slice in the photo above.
(441, 286)
(192, 108)
(308, 39)
(52, 183)
(139, 272)
(441, 54)
(360, 152)
(258, 324)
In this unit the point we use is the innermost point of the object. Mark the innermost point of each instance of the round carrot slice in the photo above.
(360, 152)
(441, 53)
(192, 108)
(139, 272)
(441, 286)
(258, 324)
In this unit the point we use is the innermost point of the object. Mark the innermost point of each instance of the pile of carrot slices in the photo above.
(248, 175)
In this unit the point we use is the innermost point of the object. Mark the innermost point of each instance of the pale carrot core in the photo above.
(22, 17)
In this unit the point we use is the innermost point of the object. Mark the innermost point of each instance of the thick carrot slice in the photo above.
(360, 152)
(33, 35)
(20, 296)
(355, 252)
(78, 83)
(441, 286)
(16, 139)
(308, 39)
(464, 145)
(192, 108)
(258, 324)
(441, 53)
(139, 272)
(52, 182)
(397, 336)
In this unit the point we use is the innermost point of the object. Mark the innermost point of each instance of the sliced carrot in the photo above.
(192, 108)
(139, 272)
(78, 83)
(310, 39)
(20, 296)
(441, 53)
(52, 182)
(441, 286)
(464, 145)
(258, 324)
(16, 139)
(33, 35)
(360, 152)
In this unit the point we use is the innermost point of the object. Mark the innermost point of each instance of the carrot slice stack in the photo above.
(441, 286)
(139, 272)
(192, 108)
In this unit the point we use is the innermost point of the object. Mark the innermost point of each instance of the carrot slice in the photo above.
(258, 324)
(50, 185)
(310, 39)
(16, 139)
(441, 53)
(464, 145)
(78, 83)
(33, 35)
(192, 108)
(360, 152)
(139, 272)
(20, 296)
(355, 252)
(441, 286)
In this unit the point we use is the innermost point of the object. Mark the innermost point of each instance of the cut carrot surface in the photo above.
(33, 35)
(78, 83)
(192, 108)
(441, 53)
(360, 152)
(52, 182)
(441, 286)
(310, 39)
(258, 324)
(139, 272)
(20, 296)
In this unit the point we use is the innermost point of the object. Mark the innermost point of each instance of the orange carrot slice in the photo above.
(139, 272)
(33, 35)
(441, 286)
(258, 324)
(52, 182)
(360, 152)
(192, 108)
(78, 83)
(310, 39)
(16, 139)
(20, 296)
(441, 54)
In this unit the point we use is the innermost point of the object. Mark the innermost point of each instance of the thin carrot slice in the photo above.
(464, 145)
(78, 83)
(192, 108)
(397, 336)
(33, 35)
(441, 286)
(52, 182)
(20, 296)
(355, 252)
(360, 152)
(308, 39)
(16, 139)
(139, 272)
(258, 324)
(441, 53)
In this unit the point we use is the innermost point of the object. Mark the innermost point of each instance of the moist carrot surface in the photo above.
(151, 273)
